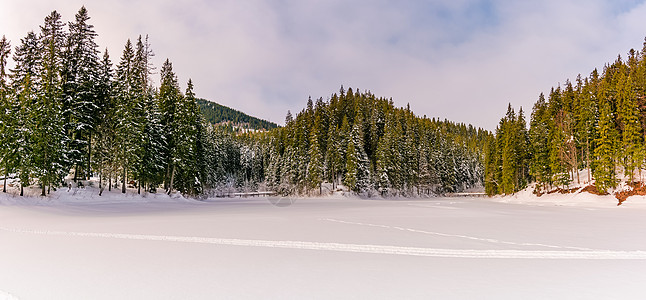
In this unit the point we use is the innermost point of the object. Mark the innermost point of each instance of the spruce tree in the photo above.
(7, 118)
(128, 101)
(539, 143)
(315, 164)
(509, 156)
(105, 147)
(46, 112)
(631, 142)
(168, 97)
(357, 165)
(26, 85)
(80, 73)
(604, 170)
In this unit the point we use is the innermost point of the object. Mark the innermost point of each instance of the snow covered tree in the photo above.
(46, 112)
(357, 174)
(315, 164)
(26, 84)
(105, 147)
(129, 113)
(168, 97)
(80, 73)
(185, 155)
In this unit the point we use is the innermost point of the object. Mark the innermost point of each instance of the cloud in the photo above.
(462, 60)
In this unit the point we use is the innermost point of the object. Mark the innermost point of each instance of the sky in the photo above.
(463, 60)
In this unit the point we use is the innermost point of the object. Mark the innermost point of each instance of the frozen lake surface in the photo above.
(328, 248)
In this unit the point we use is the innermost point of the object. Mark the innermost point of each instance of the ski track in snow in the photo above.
(356, 248)
(495, 241)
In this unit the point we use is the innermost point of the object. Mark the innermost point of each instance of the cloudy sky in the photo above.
(458, 59)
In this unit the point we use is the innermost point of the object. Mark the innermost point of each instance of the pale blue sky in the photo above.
(462, 60)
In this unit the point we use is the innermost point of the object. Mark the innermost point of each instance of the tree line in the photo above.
(66, 107)
(68, 111)
(595, 126)
(372, 147)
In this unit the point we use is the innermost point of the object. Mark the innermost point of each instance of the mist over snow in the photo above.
(461, 60)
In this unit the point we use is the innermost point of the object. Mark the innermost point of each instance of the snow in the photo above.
(77, 245)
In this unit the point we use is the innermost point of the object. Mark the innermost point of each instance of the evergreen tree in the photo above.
(46, 111)
(80, 71)
(509, 156)
(631, 143)
(315, 164)
(169, 96)
(539, 143)
(357, 166)
(7, 117)
(105, 145)
(185, 156)
(604, 171)
(26, 84)
(128, 114)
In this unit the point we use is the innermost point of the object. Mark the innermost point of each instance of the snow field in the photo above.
(341, 248)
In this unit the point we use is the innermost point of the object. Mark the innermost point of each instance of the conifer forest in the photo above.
(592, 128)
(70, 110)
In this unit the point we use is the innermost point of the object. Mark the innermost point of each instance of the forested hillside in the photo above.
(215, 113)
(370, 146)
(596, 124)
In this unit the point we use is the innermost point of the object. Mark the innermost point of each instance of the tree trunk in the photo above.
(125, 177)
(76, 172)
(89, 156)
(42, 190)
(100, 183)
(587, 154)
(172, 178)
(166, 179)
(138, 187)
(21, 190)
(109, 183)
(4, 186)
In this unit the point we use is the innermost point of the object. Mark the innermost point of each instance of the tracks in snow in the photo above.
(357, 248)
(489, 240)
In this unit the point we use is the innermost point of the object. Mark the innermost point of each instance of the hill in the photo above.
(216, 113)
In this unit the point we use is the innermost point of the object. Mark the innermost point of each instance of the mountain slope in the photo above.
(216, 113)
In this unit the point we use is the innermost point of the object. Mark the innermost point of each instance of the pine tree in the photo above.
(491, 166)
(315, 164)
(604, 170)
(105, 148)
(169, 95)
(357, 165)
(631, 143)
(7, 117)
(46, 112)
(25, 81)
(186, 155)
(80, 71)
(539, 143)
(128, 114)
(509, 156)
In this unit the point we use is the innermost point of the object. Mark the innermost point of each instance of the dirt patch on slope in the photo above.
(638, 188)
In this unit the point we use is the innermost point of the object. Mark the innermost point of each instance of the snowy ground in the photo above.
(87, 247)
